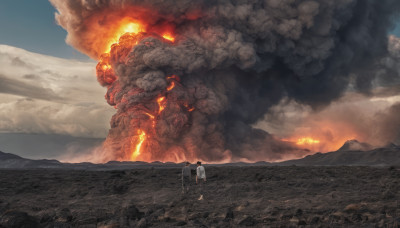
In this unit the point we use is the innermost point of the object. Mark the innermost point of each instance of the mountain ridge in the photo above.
(352, 153)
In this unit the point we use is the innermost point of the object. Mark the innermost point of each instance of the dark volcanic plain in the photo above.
(288, 196)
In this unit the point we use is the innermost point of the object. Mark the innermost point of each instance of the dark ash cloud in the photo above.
(236, 59)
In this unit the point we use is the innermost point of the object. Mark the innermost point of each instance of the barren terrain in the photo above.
(235, 196)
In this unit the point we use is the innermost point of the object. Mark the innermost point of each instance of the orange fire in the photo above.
(150, 115)
(106, 67)
(190, 109)
(127, 26)
(171, 86)
(161, 104)
(136, 144)
(307, 140)
(169, 37)
(175, 77)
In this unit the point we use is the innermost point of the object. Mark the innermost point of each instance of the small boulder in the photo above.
(64, 215)
(351, 208)
(142, 223)
(315, 220)
(248, 221)
(133, 213)
(229, 215)
(299, 212)
(18, 219)
(387, 195)
(302, 223)
(181, 223)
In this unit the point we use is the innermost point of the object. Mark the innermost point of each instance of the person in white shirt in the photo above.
(200, 178)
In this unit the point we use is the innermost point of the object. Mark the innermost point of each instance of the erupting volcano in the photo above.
(145, 115)
(189, 79)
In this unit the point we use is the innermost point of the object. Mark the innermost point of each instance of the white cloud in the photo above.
(44, 94)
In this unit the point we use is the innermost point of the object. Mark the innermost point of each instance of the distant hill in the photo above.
(354, 145)
(11, 161)
(353, 153)
(350, 154)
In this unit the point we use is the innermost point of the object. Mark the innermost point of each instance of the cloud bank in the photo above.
(49, 95)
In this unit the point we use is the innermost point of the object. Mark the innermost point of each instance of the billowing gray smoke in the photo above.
(235, 59)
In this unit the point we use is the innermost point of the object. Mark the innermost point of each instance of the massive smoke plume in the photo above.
(229, 62)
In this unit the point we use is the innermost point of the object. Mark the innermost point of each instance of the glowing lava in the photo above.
(161, 104)
(171, 86)
(138, 142)
(169, 37)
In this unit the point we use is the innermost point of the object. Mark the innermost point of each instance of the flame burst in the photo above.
(171, 86)
(307, 140)
(136, 144)
(161, 104)
(127, 26)
(169, 37)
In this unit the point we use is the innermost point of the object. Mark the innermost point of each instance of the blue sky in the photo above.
(30, 24)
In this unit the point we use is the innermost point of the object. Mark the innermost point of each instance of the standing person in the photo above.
(186, 178)
(200, 178)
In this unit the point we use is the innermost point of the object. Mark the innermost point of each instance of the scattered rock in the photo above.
(64, 215)
(357, 217)
(269, 219)
(302, 223)
(347, 220)
(352, 208)
(387, 195)
(181, 223)
(315, 220)
(87, 220)
(17, 219)
(148, 212)
(120, 188)
(229, 215)
(294, 220)
(45, 218)
(108, 224)
(133, 213)
(248, 221)
(142, 223)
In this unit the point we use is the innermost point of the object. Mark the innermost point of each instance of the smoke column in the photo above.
(195, 75)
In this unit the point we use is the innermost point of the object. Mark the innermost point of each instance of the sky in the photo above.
(33, 28)
(48, 90)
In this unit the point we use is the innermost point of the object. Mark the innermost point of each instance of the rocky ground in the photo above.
(235, 196)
